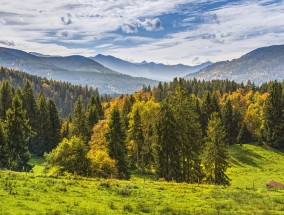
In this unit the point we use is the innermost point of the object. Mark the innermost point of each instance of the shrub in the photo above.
(71, 156)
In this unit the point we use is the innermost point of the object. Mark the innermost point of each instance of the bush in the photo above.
(71, 156)
(102, 165)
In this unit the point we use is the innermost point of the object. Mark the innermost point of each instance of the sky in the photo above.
(166, 31)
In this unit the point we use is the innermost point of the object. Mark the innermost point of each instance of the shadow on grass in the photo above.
(242, 156)
(277, 151)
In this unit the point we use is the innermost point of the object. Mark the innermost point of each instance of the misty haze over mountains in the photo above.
(151, 70)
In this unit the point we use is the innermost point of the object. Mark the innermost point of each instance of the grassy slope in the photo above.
(252, 168)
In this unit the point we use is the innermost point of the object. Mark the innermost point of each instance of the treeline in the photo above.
(30, 124)
(179, 130)
(63, 94)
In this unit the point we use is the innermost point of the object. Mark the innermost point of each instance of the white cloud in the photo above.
(151, 24)
(52, 27)
(129, 28)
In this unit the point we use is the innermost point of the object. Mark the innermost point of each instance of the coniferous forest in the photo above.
(180, 131)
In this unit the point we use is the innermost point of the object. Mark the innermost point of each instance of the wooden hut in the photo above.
(275, 184)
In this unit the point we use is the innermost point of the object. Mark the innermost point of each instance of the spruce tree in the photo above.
(168, 143)
(116, 143)
(3, 148)
(216, 152)
(190, 133)
(55, 125)
(92, 116)
(43, 132)
(136, 140)
(227, 118)
(273, 116)
(6, 96)
(29, 104)
(126, 109)
(99, 107)
(79, 121)
(18, 134)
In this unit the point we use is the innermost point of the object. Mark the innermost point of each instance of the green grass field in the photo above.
(252, 167)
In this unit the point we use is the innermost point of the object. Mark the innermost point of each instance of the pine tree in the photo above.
(55, 125)
(6, 96)
(136, 140)
(43, 136)
(99, 107)
(18, 134)
(92, 116)
(79, 121)
(3, 149)
(216, 152)
(29, 104)
(273, 115)
(168, 158)
(227, 118)
(190, 133)
(116, 143)
(126, 109)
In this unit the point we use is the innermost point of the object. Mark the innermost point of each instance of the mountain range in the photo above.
(112, 75)
(260, 65)
(75, 69)
(151, 70)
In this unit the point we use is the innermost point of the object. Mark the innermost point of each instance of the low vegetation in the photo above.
(252, 167)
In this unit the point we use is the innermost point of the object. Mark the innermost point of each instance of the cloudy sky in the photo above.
(167, 31)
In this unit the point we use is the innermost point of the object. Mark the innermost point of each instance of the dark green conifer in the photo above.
(55, 125)
(216, 152)
(168, 157)
(116, 143)
(18, 134)
(273, 115)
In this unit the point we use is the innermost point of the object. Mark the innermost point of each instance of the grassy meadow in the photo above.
(251, 168)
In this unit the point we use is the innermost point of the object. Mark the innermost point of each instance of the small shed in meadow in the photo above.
(275, 184)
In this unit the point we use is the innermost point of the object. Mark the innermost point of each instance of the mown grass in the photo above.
(252, 167)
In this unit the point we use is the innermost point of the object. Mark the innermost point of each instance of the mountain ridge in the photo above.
(151, 70)
(260, 65)
(75, 69)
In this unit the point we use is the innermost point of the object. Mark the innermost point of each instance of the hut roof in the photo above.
(275, 184)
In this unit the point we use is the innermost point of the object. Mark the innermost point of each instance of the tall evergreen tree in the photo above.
(168, 158)
(126, 109)
(136, 140)
(92, 116)
(99, 107)
(18, 134)
(190, 133)
(43, 136)
(6, 96)
(79, 121)
(227, 118)
(116, 143)
(216, 152)
(55, 125)
(29, 104)
(3, 149)
(273, 115)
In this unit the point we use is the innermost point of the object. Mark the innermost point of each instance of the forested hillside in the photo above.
(63, 94)
(180, 131)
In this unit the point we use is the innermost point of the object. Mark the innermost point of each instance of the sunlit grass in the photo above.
(252, 167)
